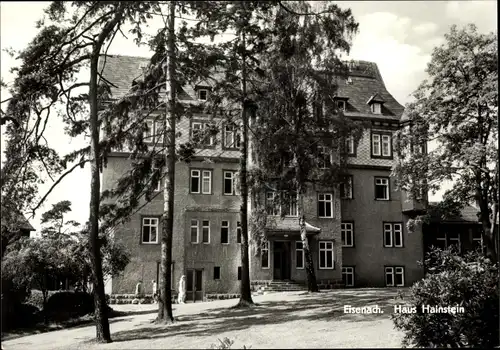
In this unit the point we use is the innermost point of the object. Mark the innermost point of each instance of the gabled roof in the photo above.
(467, 214)
(22, 223)
(375, 98)
(120, 71)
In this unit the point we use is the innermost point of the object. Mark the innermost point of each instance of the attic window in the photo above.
(202, 94)
(376, 108)
(340, 104)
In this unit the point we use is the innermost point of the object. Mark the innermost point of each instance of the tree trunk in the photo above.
(101, 318)
(165, 314)
(245, 292)
(487, 232)
(312, 285)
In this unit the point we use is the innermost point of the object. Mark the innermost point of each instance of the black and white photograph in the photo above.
(249, 174)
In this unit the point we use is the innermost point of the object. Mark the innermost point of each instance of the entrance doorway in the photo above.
(194, 285)
(282, 260)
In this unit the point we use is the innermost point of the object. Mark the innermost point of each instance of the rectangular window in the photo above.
(202, 94)
(194, 231)
(206, 187)
(441, 240)
(346, 188)
(216, 272)
(394, 276)
(224, 232)
(382, 188)
(201, 181)
(348, 276)
(265, 255)
(477, 240)
(382, 144)
(300, 257)
(157, 185)
(347, 234)
(150, 230)
(386, 146)
(340, 105)
(376, 145)
(195, 181)
(205, 229)
(232, 138)
(271, 205)
(376, 108)
(239, 273)
(149, 131)
(325, 205)
(454, 240)
(230, 183)
(393, 235)
(326, 259)
(349, 146)
(158, 132)
(325, 158)
(290, 208)
(238, 232)
(200, 134)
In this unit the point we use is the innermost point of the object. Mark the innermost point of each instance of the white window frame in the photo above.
(376, 145)
(386, 141)
(199, 94)
(393, 271)
(195, 223)
(231, 176)
(343, 188)
(230, 129)
(376, 108)
(292, 204)
(158, 187)
(224, 226)
(158, 135)
(192, 175)
(391, 229)
(238, 232)
(206, 188)
(480, 240)
(324, 154)
(349, 145)
(148, 135)
(382, 181)
(266, 250)
(153, 223)
(454, 239)
(324, 248)
(299, 249)
(348, 270)
(201, 126)
(347, 229)
(322, 201)
(270, 197)
(203, 227)
(442, 238)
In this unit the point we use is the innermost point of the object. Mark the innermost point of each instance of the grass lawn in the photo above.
(279, 320)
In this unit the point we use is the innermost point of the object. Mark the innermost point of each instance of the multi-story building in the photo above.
(357, 232)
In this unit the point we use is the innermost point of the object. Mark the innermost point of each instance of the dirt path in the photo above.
(280, 320)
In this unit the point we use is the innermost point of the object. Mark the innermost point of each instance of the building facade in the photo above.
(357, 233)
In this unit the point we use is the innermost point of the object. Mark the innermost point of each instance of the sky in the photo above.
(397, 35)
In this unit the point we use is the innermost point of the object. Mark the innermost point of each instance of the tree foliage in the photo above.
(299, 133)
(469, 281)
(456, 109)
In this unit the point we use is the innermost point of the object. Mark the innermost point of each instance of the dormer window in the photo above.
(376, 108)
(375, 102)
(202, 94)
(340, 105)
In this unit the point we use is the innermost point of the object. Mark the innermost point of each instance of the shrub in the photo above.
(470, 282)
(65, 305)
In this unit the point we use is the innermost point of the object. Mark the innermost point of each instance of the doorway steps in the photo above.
(278, 286)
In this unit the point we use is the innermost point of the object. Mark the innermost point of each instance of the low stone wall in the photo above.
(212, 297)
(134, 299)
